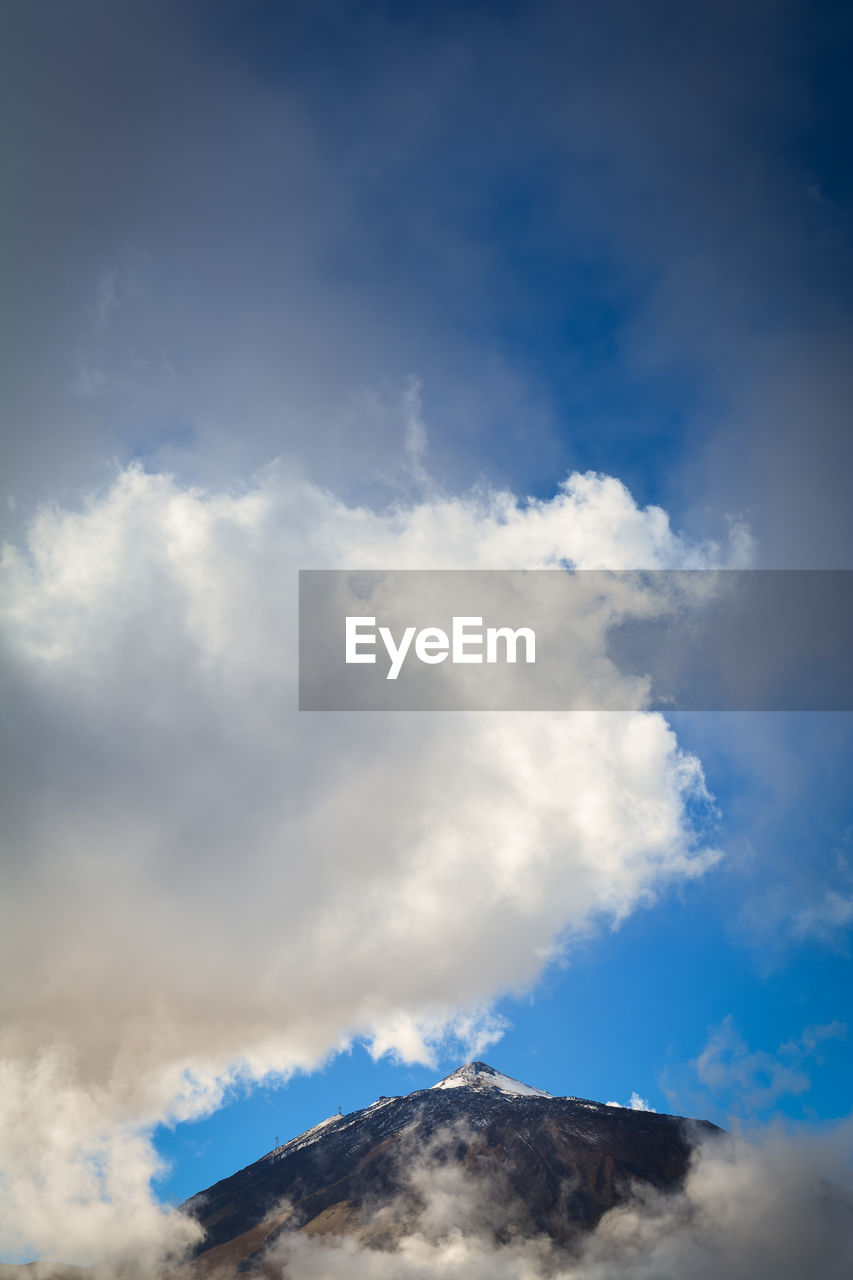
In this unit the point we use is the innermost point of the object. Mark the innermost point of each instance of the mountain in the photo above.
(534, 1164)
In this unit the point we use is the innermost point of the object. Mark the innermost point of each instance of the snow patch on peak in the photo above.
(479, 1075)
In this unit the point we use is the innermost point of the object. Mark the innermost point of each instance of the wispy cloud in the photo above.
(753, 1078)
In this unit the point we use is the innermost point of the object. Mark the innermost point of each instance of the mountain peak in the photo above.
(559, 1163)
(479, 1075)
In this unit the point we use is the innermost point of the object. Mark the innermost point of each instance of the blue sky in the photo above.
(564, 239)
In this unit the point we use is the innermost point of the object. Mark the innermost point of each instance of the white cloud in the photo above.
(203, 883)
(634, 1103)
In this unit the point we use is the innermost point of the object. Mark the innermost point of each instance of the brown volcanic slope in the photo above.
(551, 1165)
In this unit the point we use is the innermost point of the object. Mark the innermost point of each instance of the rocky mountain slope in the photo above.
(534, 1164)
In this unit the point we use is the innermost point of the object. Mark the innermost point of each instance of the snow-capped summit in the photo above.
(479, 1075)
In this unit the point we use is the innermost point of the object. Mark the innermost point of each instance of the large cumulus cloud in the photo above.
(203, 882)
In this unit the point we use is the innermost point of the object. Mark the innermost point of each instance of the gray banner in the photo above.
(691, 640)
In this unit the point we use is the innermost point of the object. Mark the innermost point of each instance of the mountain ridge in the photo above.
(560, 1163)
